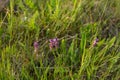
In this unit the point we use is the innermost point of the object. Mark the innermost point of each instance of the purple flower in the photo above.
(53, 43)
(95, 42)
(36, 45)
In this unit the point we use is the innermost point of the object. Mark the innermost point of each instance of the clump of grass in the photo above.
(87, 33)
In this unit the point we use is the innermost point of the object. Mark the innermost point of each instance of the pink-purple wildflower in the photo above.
(53, 43)
(95, 42)
(36, 45)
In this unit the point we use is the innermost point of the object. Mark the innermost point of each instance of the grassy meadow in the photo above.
(60, 40)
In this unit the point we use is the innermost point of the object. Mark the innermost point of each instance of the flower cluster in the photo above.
(53, 43)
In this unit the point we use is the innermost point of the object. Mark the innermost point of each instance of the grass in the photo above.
(76, 24)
